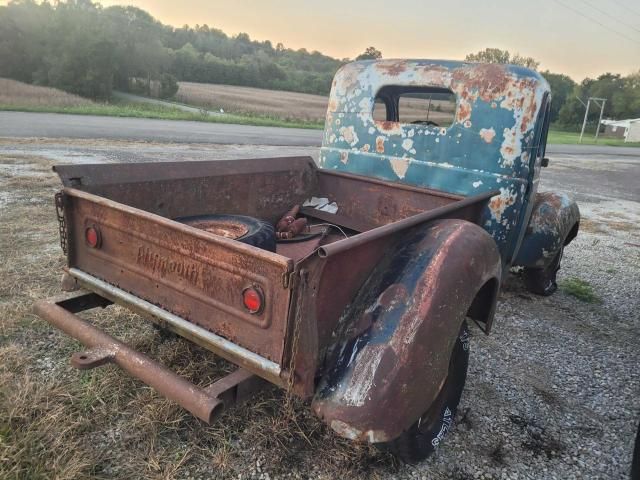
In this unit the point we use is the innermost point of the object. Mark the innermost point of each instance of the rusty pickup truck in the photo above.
(423, 196)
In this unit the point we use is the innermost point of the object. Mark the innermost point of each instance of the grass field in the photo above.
(562, 137)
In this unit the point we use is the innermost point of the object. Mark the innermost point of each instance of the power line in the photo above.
(578, 12)
(610, 16)
(628, 8)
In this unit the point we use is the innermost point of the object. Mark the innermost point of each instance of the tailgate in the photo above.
(190, 273)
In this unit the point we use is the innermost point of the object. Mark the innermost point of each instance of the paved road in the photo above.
(53, 125)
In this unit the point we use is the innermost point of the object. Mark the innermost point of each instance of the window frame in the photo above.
(390, 97)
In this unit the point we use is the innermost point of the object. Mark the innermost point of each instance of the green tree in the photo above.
(562, 88)
(496, 55)
(371, 53)
(621, 94)
(626, 102)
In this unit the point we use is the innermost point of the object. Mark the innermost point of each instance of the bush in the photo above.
(168, 85)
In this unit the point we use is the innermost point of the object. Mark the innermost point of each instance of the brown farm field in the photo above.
(295, 106)
(255, 101)
(13, 92)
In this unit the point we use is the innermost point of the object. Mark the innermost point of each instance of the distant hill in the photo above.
(83, 48)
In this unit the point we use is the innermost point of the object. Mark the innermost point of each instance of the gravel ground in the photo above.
(551, 394)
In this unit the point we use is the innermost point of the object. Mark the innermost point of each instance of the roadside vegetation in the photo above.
(140, 110)
(580, 289)
(568, 138)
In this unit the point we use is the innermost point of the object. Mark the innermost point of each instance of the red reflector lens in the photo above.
(252, 300)
(92, 236)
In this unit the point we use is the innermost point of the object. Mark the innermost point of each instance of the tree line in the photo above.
(83, 48)
(568, 97)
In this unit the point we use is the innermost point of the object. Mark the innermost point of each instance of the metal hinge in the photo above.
(287, 279)
(62, 225)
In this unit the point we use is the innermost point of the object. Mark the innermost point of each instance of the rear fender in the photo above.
(397, 336)
(554, 223)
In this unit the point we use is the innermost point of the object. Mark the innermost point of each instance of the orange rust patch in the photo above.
(380, 144)
(393, 69)
(487, 134)
(464, 112)
(490, 80)
(500, 203)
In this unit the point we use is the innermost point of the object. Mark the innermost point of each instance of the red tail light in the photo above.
(253, 299)
(92, 236)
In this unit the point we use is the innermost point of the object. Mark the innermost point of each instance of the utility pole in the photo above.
(584, 122)
(586, 114)
(596, 100)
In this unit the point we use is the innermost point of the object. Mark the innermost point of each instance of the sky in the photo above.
(577, 37)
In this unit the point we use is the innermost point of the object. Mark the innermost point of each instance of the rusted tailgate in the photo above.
(190, 273)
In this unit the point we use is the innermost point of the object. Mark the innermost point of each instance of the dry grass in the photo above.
(56, 422)
(13, 92)
(256, 101)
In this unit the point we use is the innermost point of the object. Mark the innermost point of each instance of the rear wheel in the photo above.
(249, 230)
(424, 436)
(542, 281)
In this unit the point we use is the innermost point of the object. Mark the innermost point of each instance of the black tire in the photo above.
(542, 281)
(249, 230)
(426, 434)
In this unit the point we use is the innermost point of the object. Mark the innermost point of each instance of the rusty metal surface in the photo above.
(166, 382)
(222, 228)
(92, 358)
(236, 387)
(221, 346)
(554, 218)
(468, 208)
(263, 188)
(397, 335)
(366, 203)
(188, 272)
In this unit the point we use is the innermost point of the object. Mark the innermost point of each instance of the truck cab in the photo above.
(494, 139)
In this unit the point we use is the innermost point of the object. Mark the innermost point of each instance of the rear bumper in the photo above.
(204, 403)
(242, 357)
(105, 349)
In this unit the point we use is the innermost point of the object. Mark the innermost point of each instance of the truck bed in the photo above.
(199, 276)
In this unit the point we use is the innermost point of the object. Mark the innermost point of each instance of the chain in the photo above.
(62, 225)
(288, 401)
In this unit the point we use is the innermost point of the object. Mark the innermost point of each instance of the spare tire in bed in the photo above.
(249, 230)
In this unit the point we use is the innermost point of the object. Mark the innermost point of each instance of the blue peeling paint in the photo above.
(491, 145)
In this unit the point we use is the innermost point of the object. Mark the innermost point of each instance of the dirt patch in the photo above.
(587, 225)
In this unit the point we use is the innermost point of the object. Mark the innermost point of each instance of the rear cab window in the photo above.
(430, 106)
